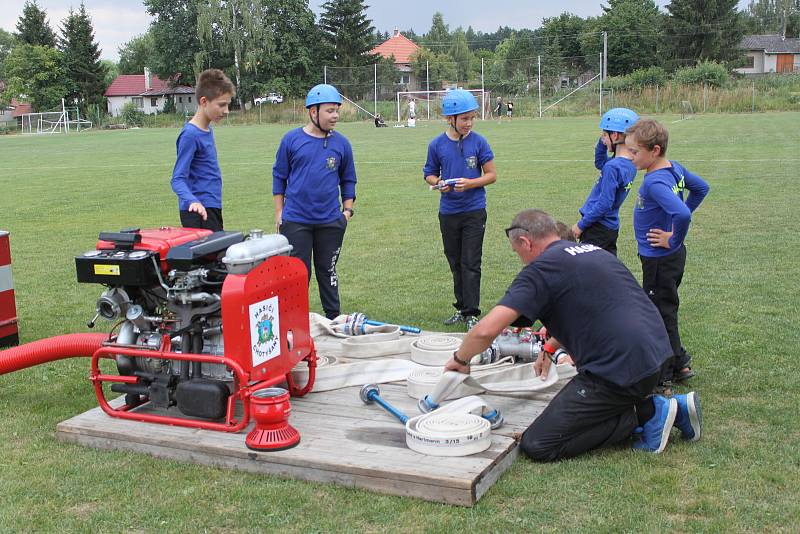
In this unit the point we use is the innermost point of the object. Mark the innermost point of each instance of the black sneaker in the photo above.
(456, 318)
(471, 321)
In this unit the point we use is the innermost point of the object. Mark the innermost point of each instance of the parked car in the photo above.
(272, 98)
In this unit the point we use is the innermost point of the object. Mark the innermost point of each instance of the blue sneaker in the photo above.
(655, 432)
(689, 419)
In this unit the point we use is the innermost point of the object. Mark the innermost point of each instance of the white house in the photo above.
(770, 53)
(148, 93)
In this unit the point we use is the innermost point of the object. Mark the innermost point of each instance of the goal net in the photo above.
(427, 105)
(53, 122)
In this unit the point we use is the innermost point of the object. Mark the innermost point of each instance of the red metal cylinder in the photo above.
(9, 330)
(270, 408)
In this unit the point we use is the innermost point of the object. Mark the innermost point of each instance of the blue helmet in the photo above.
(458, 101)
(323, 94)
(618, 120)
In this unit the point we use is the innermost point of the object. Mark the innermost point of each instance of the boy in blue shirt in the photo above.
(661, 220)
(460, 164)
(196, 178)
(599, 223)
(313, 168)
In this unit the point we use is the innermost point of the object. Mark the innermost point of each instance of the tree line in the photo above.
(280, 45)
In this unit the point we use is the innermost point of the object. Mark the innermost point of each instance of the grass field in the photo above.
(739, 313)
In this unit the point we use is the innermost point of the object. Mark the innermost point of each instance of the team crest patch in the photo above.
(331, 163)
(639, 202)
(472, 162)
(265, 330)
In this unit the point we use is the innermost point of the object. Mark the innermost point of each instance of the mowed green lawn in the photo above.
(739, 316)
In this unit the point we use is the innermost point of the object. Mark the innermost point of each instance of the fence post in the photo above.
(539, 83)
(753, 107)
(705, 96)
(657, 88)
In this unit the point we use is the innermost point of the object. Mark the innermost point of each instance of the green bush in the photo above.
(708, 72)
(649, 76)
(131, 115)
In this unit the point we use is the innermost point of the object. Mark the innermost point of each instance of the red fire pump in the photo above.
(204, 323)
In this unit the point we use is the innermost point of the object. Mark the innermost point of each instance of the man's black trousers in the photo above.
(598, 235)
(661, 278)
(462, 236)
(588, 413)
(323, 242)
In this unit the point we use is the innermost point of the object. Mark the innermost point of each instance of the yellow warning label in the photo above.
(109, 270)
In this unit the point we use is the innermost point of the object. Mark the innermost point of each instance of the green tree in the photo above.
(137, 54)
(177, 44)
(461, 56)
(701, 30)
(772, 16)
(7, 43)
(295, 60)
(36, 73)
(634, 35)
(347, 32)
(438, 38)
(567, 28)
(440, 68)
(81, 54)
(33, 28)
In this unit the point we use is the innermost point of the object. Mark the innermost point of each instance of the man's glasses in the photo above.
(511, 228)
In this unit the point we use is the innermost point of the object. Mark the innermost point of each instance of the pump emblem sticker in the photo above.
(265, 330)
(331, 163)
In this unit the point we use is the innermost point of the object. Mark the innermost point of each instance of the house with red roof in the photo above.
(149, 94)
(402, 49)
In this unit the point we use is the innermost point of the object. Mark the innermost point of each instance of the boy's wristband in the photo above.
(548, 348)
(459, 360)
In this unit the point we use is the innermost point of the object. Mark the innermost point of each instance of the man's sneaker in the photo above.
(471, 322)
(689, 419)
(655, 432)
(456, 318)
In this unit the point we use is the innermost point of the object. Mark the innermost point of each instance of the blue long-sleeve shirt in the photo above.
(661, 204)
(600, 155)
(196, 176)
(312, 176)
(451, 159)
(609, 192)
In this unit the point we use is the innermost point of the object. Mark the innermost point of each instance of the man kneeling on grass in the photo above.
(592, 304)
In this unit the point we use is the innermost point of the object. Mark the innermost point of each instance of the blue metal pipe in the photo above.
(409, 329)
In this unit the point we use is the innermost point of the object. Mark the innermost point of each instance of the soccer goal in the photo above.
(54, 122)
(428, 104)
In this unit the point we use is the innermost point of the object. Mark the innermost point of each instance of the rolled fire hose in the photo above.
(435, 350)
(459, 429)
(456, 429)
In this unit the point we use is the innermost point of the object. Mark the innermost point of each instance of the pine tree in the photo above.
(700, 30)
(438, 38)
(33, 28)
(84, 70)
(348, 32)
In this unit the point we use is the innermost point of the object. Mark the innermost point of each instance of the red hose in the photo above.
(49, 350)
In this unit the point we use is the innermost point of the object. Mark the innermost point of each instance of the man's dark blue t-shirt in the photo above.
(591, 303)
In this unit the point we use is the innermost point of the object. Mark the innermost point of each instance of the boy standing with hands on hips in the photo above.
(661, 220)
(196, 177)
(460, 164)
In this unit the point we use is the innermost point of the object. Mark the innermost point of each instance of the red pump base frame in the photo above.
(242, 391)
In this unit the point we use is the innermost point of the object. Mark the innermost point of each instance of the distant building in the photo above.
(401, 48)
(770, 53)
(149, 94)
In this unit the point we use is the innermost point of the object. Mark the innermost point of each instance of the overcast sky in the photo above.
(117, 21)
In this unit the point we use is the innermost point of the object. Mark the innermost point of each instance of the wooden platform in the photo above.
(343, 442)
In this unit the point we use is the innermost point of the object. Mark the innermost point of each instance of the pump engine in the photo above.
(202, 321)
